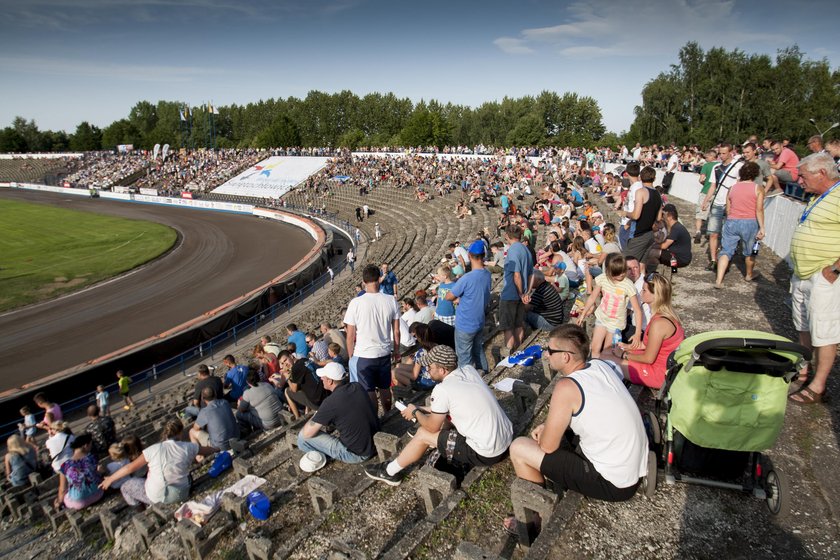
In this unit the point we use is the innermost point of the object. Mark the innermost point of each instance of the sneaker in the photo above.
(698, 238)
(379, 472)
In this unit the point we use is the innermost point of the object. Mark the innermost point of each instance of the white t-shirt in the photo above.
(673, 163)
(459, 251)
(630, 201)
(730, 179)
(609, 425)
(169, 463)
(373, 315)
(59, 448)
(474, 411)
(592, 246)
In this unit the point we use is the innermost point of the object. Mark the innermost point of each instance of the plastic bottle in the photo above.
(755, 248)
(616, 339)
(673, 264)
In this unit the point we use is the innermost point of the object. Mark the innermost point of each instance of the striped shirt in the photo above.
(815, 241)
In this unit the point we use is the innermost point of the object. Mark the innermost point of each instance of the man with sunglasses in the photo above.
(591, 400)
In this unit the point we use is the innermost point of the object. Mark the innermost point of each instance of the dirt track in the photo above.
(217, 258)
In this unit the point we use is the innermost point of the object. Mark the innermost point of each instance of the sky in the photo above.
(67, 61)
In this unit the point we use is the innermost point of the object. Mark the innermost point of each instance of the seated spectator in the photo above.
(333, 335)
(785, 166)
(547, 308)
(168, 464)
(478, 434)
(318, 348)
(350, 410)
(215, 425)
(648, 364)
(204, 378)
(78, 483)
(119, 458)
(677, 244)
(410, 372)
(298, 339)
(613, 446)
(21, 460)
(334, 353)
(425, 312)
(436, 332)
(269, 346)
(101, 429)
(260, 407)
(58, 443)
(235, 378)
(497, 264)
(304, 387)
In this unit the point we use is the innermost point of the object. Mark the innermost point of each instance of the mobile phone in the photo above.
(400, 405)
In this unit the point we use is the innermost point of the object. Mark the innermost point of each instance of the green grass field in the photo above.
(47, 251)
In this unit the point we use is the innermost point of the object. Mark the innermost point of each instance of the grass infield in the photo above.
(46, 251)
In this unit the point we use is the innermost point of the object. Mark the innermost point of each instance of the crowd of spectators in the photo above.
(103, 170)
(197, 170)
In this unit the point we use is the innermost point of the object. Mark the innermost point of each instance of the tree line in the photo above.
(341, 119)
(719, 95)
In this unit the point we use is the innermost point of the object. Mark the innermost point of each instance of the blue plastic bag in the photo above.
(221, 463)
(259, 505)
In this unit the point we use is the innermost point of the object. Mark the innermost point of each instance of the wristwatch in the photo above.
(414, 412)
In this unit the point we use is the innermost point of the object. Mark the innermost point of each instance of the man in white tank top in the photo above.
(591, 400)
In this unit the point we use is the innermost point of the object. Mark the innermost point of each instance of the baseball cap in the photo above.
(332, 370)
(561, 265)
(477, 247)
(441, 355)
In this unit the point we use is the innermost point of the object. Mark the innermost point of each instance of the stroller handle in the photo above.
(753, 343)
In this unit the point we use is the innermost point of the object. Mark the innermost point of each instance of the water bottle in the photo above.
(616, 340)
(756, 245)
(673, 264)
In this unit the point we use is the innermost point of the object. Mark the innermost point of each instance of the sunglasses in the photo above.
(552, 351)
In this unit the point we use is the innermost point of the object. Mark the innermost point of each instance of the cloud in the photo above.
(512, 45)
(53, 67)
(600, 28)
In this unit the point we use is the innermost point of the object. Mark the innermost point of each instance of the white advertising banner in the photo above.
(149, 191)
(273, 177)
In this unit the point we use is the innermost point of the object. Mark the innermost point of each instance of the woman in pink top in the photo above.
(648, 364)
(744, 221)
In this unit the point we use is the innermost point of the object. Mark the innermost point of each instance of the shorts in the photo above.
(463, 453)
(716, 217)
(570, 471)
(299, 397)
(645, 374)
(639, 246)
(375, 373)
(816, 308)
(784, 176)
(736, 230)
(511, 314)
(701, 214)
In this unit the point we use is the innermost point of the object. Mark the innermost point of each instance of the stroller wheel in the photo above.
(653, 429)
(776, 486)
(649, 481)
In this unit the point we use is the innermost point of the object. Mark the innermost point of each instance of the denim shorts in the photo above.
(735, 231)
(715, 221)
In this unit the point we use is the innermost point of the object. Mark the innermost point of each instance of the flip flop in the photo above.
(752, 278)
(806, 396)
(511, 527)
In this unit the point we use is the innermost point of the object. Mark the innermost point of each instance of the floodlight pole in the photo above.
(826, 131)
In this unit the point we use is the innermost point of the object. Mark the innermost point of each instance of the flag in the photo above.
(181, 113)
(215, 110)
(156, 152)
(186, 112)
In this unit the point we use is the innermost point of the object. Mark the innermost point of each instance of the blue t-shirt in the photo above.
(518, 259)
(299, 340)
(473, 289)
(236, 376)
(387, 282)
(444, 308)
(505, 201)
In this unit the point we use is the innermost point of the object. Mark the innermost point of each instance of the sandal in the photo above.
(511, 526)
(806, 396)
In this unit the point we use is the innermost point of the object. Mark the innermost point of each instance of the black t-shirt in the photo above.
(307, 381)
(681, 247)
(350, 410)
(442, 333)
(213, 382)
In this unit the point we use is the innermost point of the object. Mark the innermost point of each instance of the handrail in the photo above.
(207, 348)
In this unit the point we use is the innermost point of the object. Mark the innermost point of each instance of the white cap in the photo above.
(312, 461)
(333, 370)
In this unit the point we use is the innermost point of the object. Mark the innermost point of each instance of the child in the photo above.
(445, 310)
(334, 353)
(122, 381)
(611, 315)
(119, 458)
(29, 427)
(102, 400)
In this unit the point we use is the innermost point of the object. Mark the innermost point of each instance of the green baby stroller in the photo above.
(724, 402)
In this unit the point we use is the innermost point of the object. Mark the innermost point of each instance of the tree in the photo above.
(528, 131)
(12, 141)
(87, 138)
(282, 132)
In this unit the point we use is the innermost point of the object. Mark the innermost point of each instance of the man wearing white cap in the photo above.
(479, 434)
(349, 409)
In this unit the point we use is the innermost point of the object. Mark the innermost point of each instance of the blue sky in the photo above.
(64, 61)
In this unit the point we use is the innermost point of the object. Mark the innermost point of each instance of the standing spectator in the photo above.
(204, 378)
(124, 381)
(613, 445)
(350, 411)
(52, 411)
(388, 281)
(78, 483)
(724, 175)
(29, 427)
(701, 215)
(627, 226)
(259, 408)
(102, 398)
(473, 294)
(101, 429)
(373, 326)
(235, 378)
(646, 208)
(351, 260)
(744, 221)
(331, 272)
(377, 231)
(215, 425)
(294, 336)
(516, 288)
(816, 268)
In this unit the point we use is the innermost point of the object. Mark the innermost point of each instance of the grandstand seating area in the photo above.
(33, 170)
